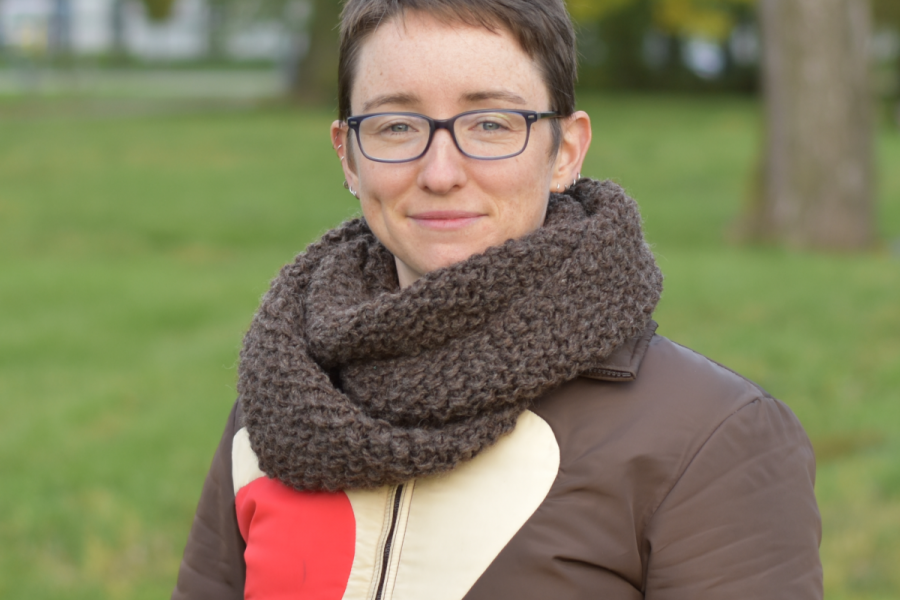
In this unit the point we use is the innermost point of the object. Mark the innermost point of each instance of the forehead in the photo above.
(444, 67)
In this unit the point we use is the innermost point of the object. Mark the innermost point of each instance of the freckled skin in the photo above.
(436, 66)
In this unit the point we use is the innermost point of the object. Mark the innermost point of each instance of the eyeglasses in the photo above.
(483, 134)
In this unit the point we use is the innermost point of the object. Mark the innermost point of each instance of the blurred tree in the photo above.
(640, 44)
(713, 19)
(158, 10)
(816, 183)
(217, 26)
(816, 187)
(887, 11)
(315, 73)
(117, 29)
(593, 10)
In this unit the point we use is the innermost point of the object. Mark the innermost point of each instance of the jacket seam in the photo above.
(687, 466)
(630, 372)
(763, 393)
(642, 344)
(690, 462)
(760, 395)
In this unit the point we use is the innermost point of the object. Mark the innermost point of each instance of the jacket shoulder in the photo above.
(672, 395)
(635, 439)
(691, 376)
(631, 452)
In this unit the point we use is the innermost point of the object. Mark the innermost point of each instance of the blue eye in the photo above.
(399, 128)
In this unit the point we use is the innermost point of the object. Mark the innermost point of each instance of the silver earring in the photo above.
(575, 181)
(558, 188)
(347, 187)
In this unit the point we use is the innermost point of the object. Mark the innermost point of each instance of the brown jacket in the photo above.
(659, 474)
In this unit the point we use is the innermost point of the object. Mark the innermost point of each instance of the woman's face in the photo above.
(444, 207)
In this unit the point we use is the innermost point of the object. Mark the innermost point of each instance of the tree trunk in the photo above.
(315, 73)
(887, 14)
(117, 28)
(216, 28)
(816, 189)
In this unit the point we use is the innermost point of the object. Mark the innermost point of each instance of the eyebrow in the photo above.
(401, 99)
(494, 95)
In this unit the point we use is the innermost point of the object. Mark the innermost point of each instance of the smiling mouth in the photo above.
(446, 220)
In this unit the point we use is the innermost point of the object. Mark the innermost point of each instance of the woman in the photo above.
(461, 395)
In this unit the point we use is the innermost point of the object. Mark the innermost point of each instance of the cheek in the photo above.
(529, 202)
(381, 202)
(384, 183)
(534, 213)
(534, 167)
(524, 188)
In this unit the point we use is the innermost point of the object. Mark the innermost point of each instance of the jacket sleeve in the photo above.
(213, 564)
(741, 521)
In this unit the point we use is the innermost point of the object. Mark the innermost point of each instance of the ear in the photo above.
(576, 139)
(341, 139)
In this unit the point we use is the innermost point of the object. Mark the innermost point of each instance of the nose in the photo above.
(442, 168)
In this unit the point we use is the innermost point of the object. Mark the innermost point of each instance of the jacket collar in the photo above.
(625, 361)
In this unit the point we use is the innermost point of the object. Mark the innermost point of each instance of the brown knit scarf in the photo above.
(347, 381)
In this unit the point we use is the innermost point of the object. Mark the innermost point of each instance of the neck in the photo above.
(405, 274)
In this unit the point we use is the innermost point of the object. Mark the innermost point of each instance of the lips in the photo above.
(446, 220)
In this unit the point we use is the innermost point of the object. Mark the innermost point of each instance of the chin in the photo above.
(456, 255)
(424, 261)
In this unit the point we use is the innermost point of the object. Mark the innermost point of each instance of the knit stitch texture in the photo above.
(348, 381)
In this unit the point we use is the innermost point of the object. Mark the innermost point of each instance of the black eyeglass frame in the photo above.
(530, 116)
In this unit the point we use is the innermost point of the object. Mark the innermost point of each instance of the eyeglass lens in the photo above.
(397, 137)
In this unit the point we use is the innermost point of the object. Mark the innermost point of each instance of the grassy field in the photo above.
(134, 250)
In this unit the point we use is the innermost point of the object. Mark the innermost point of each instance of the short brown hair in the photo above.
(541, 27)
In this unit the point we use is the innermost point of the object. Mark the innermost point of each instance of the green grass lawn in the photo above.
(134, 250)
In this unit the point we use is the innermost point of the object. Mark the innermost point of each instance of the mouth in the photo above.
(446, 220)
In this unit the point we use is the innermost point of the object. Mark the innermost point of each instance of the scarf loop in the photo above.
(348, 382)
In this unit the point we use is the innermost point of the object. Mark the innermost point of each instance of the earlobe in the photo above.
(576, 140)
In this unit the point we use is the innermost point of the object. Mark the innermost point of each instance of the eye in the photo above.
(491, 125)
(396, 127)
(488, 123)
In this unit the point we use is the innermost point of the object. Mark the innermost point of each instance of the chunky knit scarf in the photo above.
(347, 381)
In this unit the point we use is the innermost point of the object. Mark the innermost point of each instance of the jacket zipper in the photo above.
(388, 542)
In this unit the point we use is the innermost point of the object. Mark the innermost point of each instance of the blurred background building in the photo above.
(92, 45)
(658, 45)
(186, 30)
